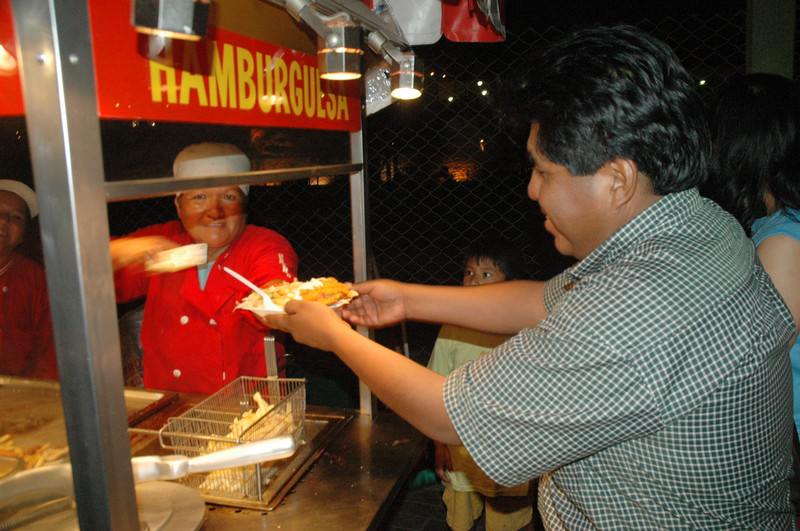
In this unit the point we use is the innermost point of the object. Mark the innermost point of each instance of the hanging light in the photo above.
(178, 19)
(338, 25)
(338, 39)
(339, 52)
(406, 77)
(406, 72)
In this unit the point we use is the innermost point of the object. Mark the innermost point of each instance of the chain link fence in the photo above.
(444, 170)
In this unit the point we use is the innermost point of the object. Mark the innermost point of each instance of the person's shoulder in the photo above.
(171, 229)
(28, 269)
(258, 230)
(783, 222)
(258, 233)
(28, 263)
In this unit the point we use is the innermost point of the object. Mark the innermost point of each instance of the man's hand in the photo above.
(379, 303)
(310, 323)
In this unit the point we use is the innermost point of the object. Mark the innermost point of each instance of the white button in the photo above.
(5, 289)
(176, 373)
(212, 322)
(184, 319)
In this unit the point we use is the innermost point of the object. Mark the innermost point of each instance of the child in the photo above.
(468, 491)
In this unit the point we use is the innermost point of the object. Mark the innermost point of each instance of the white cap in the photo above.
(211, 158)
(24, 192)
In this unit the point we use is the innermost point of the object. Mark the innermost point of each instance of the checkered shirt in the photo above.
(656, 394)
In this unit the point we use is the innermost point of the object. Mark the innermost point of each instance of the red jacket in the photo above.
(194, 340)
(26, 330)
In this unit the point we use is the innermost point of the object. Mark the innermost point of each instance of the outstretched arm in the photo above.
(413, 391)
(126, 251)
(501, 308)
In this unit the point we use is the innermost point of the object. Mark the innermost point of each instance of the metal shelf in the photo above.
(143, 188)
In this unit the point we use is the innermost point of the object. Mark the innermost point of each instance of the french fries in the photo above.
(35, 456)
(326, 290)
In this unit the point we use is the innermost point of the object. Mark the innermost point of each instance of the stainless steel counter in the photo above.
(350, 486)
(346, 480)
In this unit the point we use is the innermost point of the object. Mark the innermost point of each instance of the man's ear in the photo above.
(625, 179)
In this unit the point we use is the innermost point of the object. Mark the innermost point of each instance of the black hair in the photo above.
(603, 93)
(504, 253)
(756, 138)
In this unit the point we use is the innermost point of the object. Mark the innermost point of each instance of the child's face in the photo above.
(482, 272)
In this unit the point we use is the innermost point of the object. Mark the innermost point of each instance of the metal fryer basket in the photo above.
(207, 427)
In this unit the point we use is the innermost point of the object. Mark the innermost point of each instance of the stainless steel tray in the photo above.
(33, 413)
(321, 427)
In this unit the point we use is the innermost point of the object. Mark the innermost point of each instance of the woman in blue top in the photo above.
(755, 175)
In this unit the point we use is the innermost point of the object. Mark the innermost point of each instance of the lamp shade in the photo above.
(339, 52)
(181, 19)
(406, 77)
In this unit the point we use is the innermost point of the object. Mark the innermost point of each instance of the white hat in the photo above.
(211, 158)
(24, 192)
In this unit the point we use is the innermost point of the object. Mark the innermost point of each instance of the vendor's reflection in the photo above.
(26, 330)
(193, 338)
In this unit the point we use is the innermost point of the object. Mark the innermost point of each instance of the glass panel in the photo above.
(140, 149)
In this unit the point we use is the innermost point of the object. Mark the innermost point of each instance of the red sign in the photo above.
(10, 90)
(225, 78)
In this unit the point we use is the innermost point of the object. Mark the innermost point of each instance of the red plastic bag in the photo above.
(464, 21)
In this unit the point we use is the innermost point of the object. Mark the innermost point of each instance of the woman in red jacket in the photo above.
(193, 338)
(26, 331)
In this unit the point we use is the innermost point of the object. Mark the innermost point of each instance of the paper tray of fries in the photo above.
(246, 410)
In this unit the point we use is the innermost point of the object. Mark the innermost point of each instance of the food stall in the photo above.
(72, 63)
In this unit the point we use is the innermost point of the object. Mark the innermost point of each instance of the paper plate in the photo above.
(262, 312)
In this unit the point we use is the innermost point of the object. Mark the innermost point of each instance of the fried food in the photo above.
(35, 456)
(326, 290)
(233, 480)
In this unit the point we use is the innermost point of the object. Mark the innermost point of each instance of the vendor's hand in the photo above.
(442, 461)
(379, 303)
(126, 251)
(310, 323)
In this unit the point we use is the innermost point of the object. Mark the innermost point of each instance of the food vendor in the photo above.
(26, 330)
(192, 337)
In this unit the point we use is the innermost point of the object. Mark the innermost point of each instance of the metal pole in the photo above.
(57, 72)
(358, 208)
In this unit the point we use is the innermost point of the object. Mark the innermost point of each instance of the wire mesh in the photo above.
(234, 415)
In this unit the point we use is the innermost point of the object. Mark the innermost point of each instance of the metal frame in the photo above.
(57, 72)
(57, 75)
(143, 188)
(358, 208)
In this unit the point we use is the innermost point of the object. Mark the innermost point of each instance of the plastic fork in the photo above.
(268, 304)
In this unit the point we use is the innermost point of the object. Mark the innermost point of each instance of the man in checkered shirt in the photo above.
(649, 385)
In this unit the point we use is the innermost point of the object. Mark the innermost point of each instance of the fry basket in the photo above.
(230, 417)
